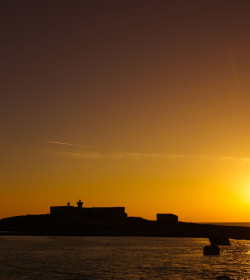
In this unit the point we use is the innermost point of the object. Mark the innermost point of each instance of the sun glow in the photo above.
(245, 193)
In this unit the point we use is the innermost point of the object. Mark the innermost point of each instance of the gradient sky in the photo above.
(143, 104)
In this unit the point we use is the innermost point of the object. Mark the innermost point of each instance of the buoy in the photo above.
(211, 250)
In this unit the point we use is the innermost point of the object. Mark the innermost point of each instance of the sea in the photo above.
(82, 258)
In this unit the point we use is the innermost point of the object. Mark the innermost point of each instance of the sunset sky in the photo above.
(142, 104)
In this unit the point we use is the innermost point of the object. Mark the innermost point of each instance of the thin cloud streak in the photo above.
(140, 156)
(60, 143)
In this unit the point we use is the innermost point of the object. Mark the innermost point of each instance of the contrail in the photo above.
(60, 143)
(123, 155)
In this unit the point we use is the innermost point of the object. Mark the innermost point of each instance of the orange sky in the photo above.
(142, 104)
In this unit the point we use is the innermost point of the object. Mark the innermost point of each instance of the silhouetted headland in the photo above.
(112, 221)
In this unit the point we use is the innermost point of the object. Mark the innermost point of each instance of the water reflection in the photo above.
(24, 257)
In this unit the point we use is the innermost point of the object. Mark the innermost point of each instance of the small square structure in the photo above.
(168, 218)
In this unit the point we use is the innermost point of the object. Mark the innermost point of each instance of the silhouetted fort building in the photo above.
(170, 218)
(95, 212)
(102, 212)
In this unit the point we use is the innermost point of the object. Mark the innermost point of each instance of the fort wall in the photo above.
(95, 212)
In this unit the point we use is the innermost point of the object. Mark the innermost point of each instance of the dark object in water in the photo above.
(223, 278)
(219, 240)
(211, 250)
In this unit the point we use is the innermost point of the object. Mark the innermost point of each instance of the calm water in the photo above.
(231, 224)
(78, 258)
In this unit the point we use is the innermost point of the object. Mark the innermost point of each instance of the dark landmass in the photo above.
(48, 225)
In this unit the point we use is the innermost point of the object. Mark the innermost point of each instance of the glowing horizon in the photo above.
(142, 105)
